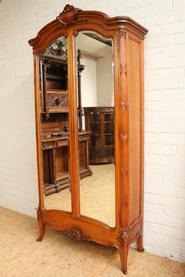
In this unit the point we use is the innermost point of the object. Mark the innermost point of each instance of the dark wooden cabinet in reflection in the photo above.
(56, 160)
(55, 125)
(100, 122)
(53, 85)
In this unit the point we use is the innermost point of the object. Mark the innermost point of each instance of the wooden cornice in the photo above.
(73, 16)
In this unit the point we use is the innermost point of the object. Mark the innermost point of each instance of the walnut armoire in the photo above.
(127, 38)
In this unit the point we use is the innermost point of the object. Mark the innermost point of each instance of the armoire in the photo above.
(88, 70)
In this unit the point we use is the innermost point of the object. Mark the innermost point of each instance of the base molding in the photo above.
(85, 228)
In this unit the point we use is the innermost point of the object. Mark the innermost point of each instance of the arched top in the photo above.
(71, 16)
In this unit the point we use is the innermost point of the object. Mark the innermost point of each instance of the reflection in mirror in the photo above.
(95, 88)
(54, 109)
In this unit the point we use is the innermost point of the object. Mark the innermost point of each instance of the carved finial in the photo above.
(68, 15)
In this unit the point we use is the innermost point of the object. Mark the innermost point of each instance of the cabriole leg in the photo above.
(41, 230)
(41, 225)
(123, 251)
(140, 243)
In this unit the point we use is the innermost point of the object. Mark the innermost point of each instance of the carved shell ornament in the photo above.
(68, 15)
(76, 233)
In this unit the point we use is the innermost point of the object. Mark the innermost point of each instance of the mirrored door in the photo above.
(54, 114)
(95, 106)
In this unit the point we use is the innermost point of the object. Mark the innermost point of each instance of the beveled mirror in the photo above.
(88, 70)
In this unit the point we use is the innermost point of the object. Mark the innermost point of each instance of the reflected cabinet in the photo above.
(88, 79)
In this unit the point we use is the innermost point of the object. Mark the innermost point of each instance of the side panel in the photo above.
(135, 123)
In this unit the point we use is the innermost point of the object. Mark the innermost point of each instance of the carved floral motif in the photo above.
(123, 137)
(39, 213)
(123, 69)
(121, 34)
(76, 233)
(123, 237)
(124, 170)
(59, 101)
(123, 105)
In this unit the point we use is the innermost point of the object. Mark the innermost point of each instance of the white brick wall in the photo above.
(164, 110)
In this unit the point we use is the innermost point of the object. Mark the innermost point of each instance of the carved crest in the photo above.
(68, 15)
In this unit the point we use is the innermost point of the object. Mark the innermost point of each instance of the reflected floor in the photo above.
(97, 195)
(59, 201)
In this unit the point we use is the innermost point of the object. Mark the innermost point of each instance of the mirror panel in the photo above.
(95, 105)
(54, 114)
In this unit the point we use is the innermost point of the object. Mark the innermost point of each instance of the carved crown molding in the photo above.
(102, 23)
(69, 15)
